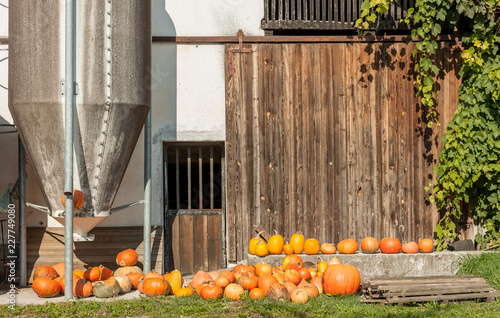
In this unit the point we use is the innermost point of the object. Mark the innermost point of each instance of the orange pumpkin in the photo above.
(223, 281)
(45, 271)
(288, 249)
(201, 277)
(304, 273)
(62, 282)
(297, 242)
(390, 245)
(261, 249)
(79, 273)
(290, 286)
(333, 261)
(275, 244)
(348, 246)
(249, 282)
(311, 289)
(256, 293)
(292, 276)
(211, 291)
(183, 292)
(127, 257)
(265, 281)
(59, 268)
(322, 265)
(299, 295)
(78, 199)
(263, 269)
(154, 286)
(45, 287)
(234, 291)
(97, 273)
(410, 248)
(292, 261)
(229, 275)
(369, 245)
(252, 244)
(425, 245)
(124, 270)
(328, 248)
(82, 288)
(134, 279)
(153, 274)
(341, 279)
(200, 287)
(311, 246)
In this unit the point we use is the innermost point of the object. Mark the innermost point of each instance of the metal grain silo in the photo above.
(112, 102)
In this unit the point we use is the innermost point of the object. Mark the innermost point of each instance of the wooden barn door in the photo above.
(194, 206)
(330, 140)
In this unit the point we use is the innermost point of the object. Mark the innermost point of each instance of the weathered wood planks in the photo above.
(424, 289)
(330, 140)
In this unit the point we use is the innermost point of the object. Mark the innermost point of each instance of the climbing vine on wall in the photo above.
(468, 172)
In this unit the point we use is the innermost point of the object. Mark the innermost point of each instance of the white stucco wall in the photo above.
(188, 96)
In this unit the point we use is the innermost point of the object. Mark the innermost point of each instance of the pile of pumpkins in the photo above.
(100, 281)
(297, 245)
(289, 281)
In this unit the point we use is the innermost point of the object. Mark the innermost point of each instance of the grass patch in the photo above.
(485, 265)
(322, 306)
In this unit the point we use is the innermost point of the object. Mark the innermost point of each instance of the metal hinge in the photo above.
(240, 49)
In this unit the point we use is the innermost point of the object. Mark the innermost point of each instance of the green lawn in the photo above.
(487, 265)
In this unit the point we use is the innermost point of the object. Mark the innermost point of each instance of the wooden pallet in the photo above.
(424, 289)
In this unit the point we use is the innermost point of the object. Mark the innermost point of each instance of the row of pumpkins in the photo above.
(287, 281)
(297, 245)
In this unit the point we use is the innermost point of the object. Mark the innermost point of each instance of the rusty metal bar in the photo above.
(211, 178)
(200, 176)
(189, 177)
(4, 40)
(294, 39)
(177, 180)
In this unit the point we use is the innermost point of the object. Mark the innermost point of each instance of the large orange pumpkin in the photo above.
(425, 245)
(59, 268)
(234, 291)
(348, 246)
(45, 287)
(390, 245)
(45, 271)
(248, 282)
(127, 257)
(78, 199)
(275, 244)
(311, 246)
(297, 241)
(256, 293)
(369, 245)
(228, 274)
(263, 269)
(341, 279)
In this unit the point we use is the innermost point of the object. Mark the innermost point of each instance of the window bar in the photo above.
(280, 10)
(323, 11)
(299, 10)
(317, 13)
(223, 205)
(311, 10)
(211, 178)
(273, 10)
(189, 177)
(336, 13)
(330, 12)
(200, 162)
(292, 10)
(287, 9)
(177, 180)
(342, 13)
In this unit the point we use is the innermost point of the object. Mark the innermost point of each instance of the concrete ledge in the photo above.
(385, 265)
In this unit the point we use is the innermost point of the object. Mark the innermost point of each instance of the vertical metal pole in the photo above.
(147, 194)
(22, 216)
(69, 95)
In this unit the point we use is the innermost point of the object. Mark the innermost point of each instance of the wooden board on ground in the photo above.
(425, 289)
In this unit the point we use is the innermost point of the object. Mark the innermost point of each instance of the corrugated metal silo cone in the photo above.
(112, 102)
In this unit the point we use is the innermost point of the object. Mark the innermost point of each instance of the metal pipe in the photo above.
(147, 195)
(69, 95)
(22, 215)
